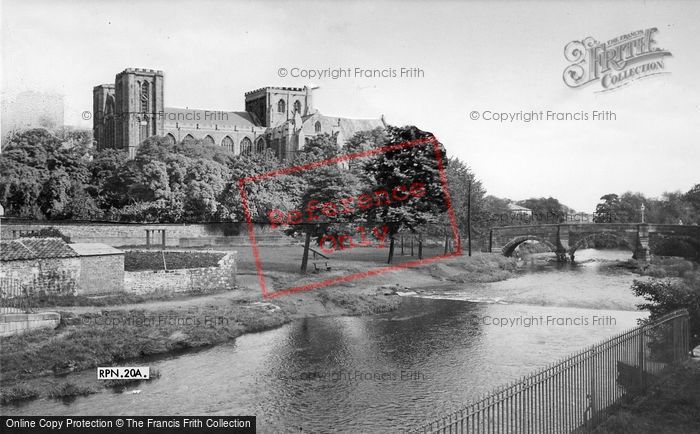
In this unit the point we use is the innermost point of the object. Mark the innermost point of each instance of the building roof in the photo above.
(35, 248)
(293, 89)
(514, 207)
(347, 127)
(223, 119)
(94, 249)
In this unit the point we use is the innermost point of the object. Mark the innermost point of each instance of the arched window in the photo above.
(227, 143)
(317, 126)
(297, 106)
(170, 138)
(281, 107)
(189, 138)
(246, 146)
(144, 97)
(260, 145)
(209, 140)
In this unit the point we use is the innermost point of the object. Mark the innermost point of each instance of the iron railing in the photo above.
(14, 296)
(574, 393)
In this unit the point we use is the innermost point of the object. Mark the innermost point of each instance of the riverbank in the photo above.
(673, 405)
(36, 364)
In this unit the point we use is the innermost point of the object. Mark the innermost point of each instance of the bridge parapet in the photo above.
(564, 239)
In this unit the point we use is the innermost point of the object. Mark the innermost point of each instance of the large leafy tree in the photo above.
(330, 184)
(404, 167)
(42, 172)
(609, 210)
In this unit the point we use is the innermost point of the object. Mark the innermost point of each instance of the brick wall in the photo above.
(222, 276)
(124, 234)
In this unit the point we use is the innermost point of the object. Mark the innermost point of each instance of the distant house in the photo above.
(519, 210)
(52, 266)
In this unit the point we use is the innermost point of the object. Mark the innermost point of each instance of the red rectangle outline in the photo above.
(329, 161)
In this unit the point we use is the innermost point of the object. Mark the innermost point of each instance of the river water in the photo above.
(385, 372)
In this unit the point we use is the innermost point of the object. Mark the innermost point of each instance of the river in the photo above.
(385, 372)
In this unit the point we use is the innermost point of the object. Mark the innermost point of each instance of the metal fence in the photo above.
(574, 394)
(14, 297)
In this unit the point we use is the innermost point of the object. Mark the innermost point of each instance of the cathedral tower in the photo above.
(276, 105)
(139, 110)
(103, 116)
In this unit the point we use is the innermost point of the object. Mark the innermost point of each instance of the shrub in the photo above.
(666, 295)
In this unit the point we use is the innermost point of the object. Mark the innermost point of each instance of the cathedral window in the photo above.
(246, 146)
(209, 140)
(227, 143)
(317, 127)
(281, 107)
(297, 106)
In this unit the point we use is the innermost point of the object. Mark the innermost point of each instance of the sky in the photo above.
(496, 56)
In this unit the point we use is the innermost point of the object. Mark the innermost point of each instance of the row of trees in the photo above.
(49, 176)
(671, 208)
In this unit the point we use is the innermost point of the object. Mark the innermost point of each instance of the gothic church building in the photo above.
(281, 118)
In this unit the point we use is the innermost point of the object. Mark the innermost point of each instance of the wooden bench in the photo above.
(317, 268)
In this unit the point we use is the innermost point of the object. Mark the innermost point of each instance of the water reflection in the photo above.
(380, 373)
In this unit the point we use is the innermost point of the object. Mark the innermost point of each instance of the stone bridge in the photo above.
(565, 239)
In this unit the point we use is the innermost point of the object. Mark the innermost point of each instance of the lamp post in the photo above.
(642, 209)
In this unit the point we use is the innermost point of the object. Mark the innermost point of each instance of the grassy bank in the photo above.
(52, 300)
(30, 363)
(672, 406)
(89, 336)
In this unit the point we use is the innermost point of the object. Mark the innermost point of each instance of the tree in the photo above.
(331, 183)
(39, 171)
(461, 180)
(400, 168)
(663, 296)
(548, 209)
(609, 210)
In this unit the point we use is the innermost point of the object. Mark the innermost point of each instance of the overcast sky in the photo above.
(498, 56)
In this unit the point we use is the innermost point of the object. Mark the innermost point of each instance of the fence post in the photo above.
(642, 381)
(592, 374)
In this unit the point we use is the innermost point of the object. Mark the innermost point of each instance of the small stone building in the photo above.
(52, 266)
(101, 268)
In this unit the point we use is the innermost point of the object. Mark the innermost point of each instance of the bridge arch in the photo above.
(510, 247)
(584, 240)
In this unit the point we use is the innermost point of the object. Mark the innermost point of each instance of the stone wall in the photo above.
(223, 276)
(101, 274)
(14, 323)
(55, 276)
(134, 234)
(86, 275)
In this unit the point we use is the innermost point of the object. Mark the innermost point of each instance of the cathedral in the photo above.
(280, 118)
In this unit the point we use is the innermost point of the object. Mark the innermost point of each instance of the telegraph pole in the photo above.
(469, 216)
